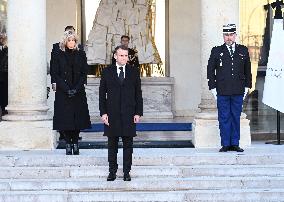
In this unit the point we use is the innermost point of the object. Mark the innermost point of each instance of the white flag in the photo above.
(273, 93)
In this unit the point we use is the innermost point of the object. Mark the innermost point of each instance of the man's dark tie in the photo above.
(231, 51)
(121, 74)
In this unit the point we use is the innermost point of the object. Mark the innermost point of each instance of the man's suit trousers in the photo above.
(127, 153)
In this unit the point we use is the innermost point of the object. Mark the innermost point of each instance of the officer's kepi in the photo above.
(229, 28)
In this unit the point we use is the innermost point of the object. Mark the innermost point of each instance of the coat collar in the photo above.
(63, 54)
(226, 51)
(114, 73)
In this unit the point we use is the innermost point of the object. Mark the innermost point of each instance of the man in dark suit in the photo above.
(229, 78)
(132, 53)
(121, 106)
(3, 73)
(54, 54)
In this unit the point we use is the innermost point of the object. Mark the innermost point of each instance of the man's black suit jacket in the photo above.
(120, 101)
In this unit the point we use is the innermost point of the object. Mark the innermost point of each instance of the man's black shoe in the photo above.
(224, 149)
(126, 177)
(111, 176)
(236, 148)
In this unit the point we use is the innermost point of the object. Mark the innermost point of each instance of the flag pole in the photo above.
(278, 134)
(277, 5)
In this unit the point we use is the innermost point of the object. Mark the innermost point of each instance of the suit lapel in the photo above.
(236, 50)
(127, 73)
(114, 74)
(225, 50)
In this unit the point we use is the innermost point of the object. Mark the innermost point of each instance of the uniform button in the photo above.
(232, 69)
(232, 63)
(232, 74)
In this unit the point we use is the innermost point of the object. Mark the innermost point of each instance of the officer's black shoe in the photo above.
(111, 176)
(224, 149)
(68, 149)
(236, 148)
(76, 149)
(126, 177)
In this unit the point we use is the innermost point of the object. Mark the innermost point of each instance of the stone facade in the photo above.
(178, 94)
(157, 97)
(27, 126)
(116, 18)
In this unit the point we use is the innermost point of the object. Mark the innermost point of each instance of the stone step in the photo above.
(142, 171)
(230, 195)
(142, 184)
(256, 195)
(143, 136)
(146, 158)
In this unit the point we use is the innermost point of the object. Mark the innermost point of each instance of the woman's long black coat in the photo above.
(70, 113)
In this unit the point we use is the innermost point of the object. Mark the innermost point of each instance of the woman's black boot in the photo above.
(68, 149)
(76, 149)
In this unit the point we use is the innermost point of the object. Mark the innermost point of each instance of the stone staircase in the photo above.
(143, 136)
(161, 135)
(157, 175)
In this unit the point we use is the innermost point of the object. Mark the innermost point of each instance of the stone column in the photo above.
(205, 124)
(27, 126)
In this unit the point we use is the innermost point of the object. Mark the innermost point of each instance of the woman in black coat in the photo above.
(71, 112)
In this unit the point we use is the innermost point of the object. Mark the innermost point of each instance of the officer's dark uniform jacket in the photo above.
(132, 58)
(229, 75)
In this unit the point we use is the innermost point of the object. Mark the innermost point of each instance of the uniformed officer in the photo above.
(229, 78)
(132, 53)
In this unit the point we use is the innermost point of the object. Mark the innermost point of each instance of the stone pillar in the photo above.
(205, 125)
(27, 126)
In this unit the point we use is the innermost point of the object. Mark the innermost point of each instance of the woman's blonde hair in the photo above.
(67, 35)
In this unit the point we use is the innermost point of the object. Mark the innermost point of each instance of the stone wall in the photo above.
(157, 95)
(184, 52)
